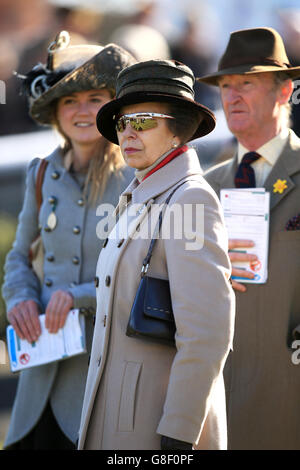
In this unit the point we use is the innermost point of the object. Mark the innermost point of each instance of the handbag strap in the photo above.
(147, 258)
(39, 183)
(38, 193)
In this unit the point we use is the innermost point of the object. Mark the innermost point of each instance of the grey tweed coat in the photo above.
(71, 253)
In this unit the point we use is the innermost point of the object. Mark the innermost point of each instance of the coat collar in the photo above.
(166, 177)
(62, 167)
(57, 158)
(227, 173)
(285, 167)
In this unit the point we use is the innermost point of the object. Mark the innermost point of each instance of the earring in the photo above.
(174, 145)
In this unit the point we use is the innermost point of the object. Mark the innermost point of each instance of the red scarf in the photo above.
(178, 151)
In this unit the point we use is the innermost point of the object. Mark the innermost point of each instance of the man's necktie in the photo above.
(245, 176)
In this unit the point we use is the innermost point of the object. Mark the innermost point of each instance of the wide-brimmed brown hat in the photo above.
(255, 50)
(70, 69)
(163, 81)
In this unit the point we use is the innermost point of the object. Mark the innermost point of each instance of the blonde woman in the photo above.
(84, 172)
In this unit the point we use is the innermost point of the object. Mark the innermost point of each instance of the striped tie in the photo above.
(245, 176)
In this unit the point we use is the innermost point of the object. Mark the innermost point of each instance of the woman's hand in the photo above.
(239, 256)
(60, 303)
(24, 317)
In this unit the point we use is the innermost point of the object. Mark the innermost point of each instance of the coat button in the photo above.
(48, 282)
(52, 200)
(75, 260)
(55, 175)
(76, 230)
(107, 281)
(50, 258)
(96, 280)
(80, 202)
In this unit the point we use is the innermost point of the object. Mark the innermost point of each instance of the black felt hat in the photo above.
(163, 81)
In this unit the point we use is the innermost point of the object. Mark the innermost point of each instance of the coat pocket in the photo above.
(128, 396)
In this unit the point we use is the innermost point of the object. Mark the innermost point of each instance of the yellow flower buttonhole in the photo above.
(279, 186)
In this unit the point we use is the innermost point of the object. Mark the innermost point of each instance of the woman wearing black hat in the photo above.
(84, 172)
(155, 374)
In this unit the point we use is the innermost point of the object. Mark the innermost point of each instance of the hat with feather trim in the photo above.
(70, 69)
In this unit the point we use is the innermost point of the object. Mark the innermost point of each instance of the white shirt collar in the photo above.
(271, 150)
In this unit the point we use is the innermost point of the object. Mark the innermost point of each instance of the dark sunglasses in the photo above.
(139, 121)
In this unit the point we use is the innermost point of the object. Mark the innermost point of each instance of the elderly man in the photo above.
(262, 373)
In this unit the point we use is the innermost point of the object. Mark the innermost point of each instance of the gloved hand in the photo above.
(168, 443)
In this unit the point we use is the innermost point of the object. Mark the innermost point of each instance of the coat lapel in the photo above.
(228, 174)
(286, 166)
(279, 172)
(62, 167)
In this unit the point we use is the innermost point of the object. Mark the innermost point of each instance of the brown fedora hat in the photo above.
(70, 69)
(253, 50)
(164, 81)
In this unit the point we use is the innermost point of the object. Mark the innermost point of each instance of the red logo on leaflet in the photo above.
(255, 265)
(24, 359)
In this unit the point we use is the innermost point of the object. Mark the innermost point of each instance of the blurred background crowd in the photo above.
(194, 32)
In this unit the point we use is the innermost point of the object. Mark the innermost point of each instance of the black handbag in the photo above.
(151, 315)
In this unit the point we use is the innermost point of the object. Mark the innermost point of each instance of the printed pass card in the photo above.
(246, 213)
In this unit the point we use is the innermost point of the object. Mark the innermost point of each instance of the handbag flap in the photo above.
(157, 303)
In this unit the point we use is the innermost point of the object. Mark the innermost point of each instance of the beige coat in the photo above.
(138, 390)
(262, 375)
